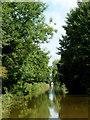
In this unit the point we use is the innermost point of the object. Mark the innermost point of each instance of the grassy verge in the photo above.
(0, 107)
(10, 100)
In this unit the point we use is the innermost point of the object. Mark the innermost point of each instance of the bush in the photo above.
(30, 89)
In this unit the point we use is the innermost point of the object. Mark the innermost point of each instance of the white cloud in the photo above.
(58, 14)
(65, 3)
(58, 19)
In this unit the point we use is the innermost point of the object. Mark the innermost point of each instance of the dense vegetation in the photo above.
(24, 63)
(74, 67)
(55, 72)
(23, 30)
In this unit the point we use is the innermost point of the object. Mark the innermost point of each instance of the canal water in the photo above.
(51, 105)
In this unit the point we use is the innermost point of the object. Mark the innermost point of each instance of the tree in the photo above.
(74, 50)
(23, 30)
(55, 73)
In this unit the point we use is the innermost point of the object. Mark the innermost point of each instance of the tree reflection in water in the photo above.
(51, 104)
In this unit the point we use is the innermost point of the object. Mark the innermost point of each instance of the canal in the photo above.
(50, 105)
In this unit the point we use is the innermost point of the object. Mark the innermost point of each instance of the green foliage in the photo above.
(7, 95)
(29, 90)
(55, 76)
(26, 108)
(64, 89)
(74, 49)
(23, 30)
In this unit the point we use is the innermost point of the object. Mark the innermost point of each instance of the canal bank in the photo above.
(10, 100)
(50, 104)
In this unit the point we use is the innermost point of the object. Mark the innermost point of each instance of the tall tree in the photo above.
(75, 49)
(55, 76)
(24, 29)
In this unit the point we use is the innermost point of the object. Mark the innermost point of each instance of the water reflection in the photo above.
(53, 113)
(35, 108)
(49, 105)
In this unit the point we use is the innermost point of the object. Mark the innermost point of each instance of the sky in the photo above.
(57, 9)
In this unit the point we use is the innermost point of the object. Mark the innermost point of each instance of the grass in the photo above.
(11, 100)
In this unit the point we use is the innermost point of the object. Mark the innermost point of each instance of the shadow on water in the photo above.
(50, 105)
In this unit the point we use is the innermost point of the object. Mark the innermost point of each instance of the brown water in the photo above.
(50, 105)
